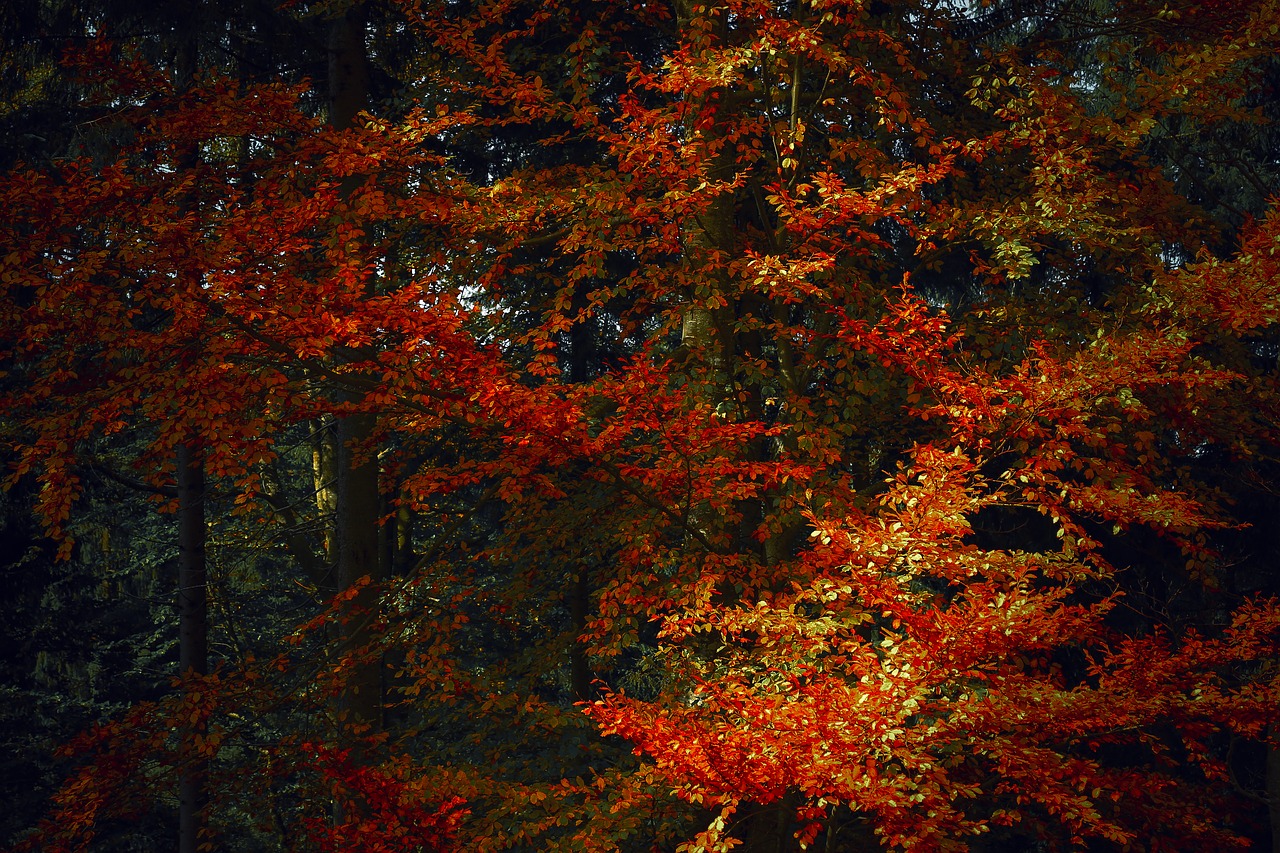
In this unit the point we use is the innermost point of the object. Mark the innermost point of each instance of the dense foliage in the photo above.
(625, 425)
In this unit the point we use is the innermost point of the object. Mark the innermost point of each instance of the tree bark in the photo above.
(348, 68)
(402, 542)
(358, 563)
(193, 634)
(1273, 787)
(193, 593)
(580, 676)
(357, 497)
(325, 477)
(579, 592)
(713, 344)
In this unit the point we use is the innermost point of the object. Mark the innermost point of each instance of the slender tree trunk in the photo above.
(193, 633)
(193, 591)
(1273, 787)
(402, 547)
(579, 591)
(325, 477)
(580, 674)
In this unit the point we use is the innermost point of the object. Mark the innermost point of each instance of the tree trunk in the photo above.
(325, 477)
(193, 597)
(579, 591)
(348, 68)
(1273, 787)
(193, 634)
(358, 561)
(714, 346)
(703, 333)
(580, 676)
(357, 503)
(402, 542)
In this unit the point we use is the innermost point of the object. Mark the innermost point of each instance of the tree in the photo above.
(824, 378)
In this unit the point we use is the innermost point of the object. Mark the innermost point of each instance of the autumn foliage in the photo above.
(793, 402)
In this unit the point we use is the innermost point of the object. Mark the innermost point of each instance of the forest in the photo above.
(640, 425)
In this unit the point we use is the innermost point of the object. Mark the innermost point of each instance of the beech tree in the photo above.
(776, 414)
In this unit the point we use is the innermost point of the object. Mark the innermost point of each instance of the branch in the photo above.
(115, 476)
